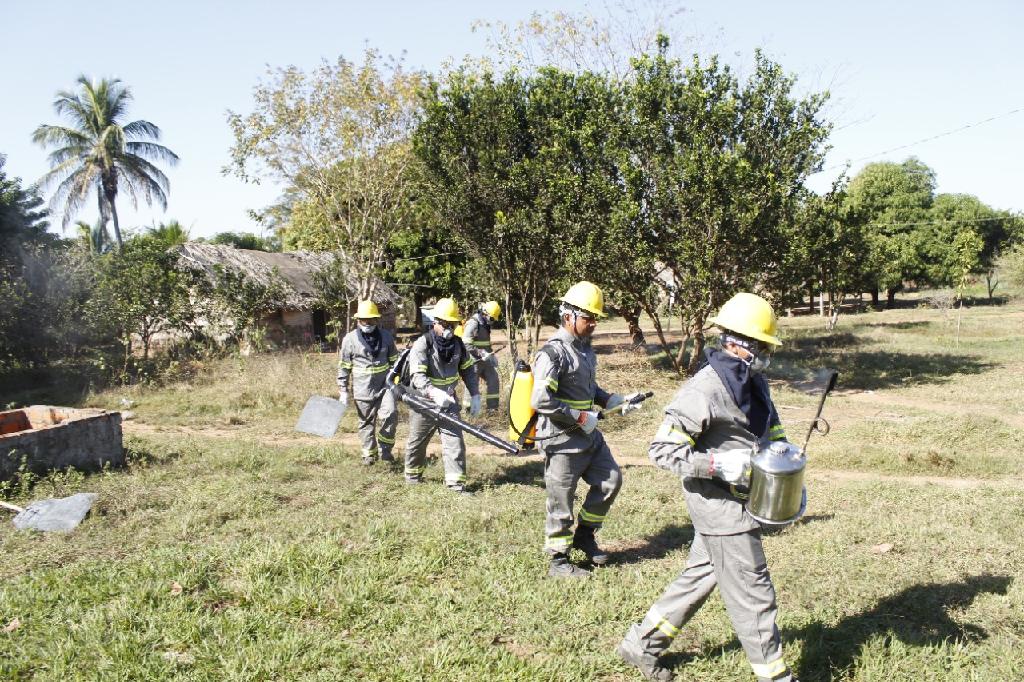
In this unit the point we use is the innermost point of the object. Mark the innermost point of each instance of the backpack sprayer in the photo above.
(522, 418)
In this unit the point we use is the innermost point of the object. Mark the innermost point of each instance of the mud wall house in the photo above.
(300, 319)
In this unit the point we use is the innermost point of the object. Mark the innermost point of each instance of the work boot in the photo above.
(368, 460)
(386, 456)
(561, 567)
(413, 480)
(646, 663)
(460, 490)
(583, 539)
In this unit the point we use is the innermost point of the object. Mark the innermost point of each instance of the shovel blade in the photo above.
(320, 416)
(55, 514)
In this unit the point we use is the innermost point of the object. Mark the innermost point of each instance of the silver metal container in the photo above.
(777, 493)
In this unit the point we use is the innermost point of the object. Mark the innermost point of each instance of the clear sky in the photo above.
(899, 72)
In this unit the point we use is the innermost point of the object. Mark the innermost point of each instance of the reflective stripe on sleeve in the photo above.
(467, 364)
(577, 404)
(345, 365)
(673, 434)
(552, 384)
(447, 381)
(482, 344)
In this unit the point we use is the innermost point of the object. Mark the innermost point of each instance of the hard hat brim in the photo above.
(601, 315)
(767, 338)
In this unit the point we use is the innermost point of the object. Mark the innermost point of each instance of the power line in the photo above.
(927, 139)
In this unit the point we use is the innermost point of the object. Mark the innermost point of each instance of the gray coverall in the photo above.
(367, 371)
(477, 337)
(701, 419)
(564, 377)
(427, 369)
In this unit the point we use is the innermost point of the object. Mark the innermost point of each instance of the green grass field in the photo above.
(232, 549)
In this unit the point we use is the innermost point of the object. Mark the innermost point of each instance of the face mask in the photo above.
(367, 328)
(760, 364)
(447, 333)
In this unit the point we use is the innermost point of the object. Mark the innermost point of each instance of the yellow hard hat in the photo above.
(749, 315)
(492, 309)
(366, 310)
(586, 296)
(448, 310)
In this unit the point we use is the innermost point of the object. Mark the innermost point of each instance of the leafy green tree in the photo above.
(22, 216)
(945, 244)
(140, 293)
(94, 238)
(826, 251)
(169, 234)
(508, 169)
(895, 201)
(424, 262)
(716, 168)
(99, 152)
(246, 240)
(338, 139)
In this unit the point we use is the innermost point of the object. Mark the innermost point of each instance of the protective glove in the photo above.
(474, 406)
(586, 419)
(343, 398)
(440, 398)
(628, 404)
(732, 466)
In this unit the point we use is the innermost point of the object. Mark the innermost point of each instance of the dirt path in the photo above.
(351, 440)
(889, 400)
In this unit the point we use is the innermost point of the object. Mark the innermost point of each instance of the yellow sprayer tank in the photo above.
(519, 409)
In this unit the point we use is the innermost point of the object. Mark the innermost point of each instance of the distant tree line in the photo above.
(671, 182)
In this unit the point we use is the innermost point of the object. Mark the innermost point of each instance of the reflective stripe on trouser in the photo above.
(369, 412)
(562, 473)
(453, 449)
(735, 563)
(489, 373)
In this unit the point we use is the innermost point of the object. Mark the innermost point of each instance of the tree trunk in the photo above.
(663, 342)
(874, 297)
(989, 285)
(510, 330)
(696, 353)
(890, 297)
(632, 317)
(117, 224)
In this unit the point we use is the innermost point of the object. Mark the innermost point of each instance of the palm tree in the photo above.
(94, 238)
(99, 152)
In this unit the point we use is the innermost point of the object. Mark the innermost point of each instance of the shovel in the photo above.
(61, 514)
(321, 416)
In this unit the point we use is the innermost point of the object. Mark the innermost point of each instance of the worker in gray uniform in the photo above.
(367, 353)
(436, 362)
(565, 396)
(713, 425)
(477, 337)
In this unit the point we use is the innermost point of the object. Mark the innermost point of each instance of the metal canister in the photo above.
(777, 493)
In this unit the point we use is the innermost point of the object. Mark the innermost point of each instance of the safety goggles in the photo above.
(445, 324)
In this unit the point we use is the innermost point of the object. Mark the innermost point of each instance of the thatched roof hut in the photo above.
(296, 268)
(301, 317)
